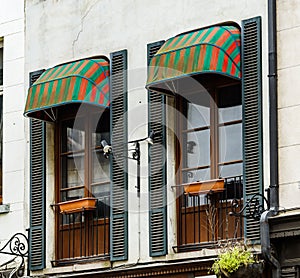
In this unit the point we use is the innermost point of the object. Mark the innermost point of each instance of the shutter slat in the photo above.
(37, 189)
(252, 117)
(119, 187)
(157, 168)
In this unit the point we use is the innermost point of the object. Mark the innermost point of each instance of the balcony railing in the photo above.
(84, 236)
(204, 220)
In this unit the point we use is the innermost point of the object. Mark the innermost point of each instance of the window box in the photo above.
(77, 205)
(204, 187)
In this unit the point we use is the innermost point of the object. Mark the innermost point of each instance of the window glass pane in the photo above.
(72, 194)
(231, 170)
(74, 170)
(73, 156)
(197, 116)
(230, 103)
(75, 139)
(229, 114)
(196, 175)
(197, 149)
(100, 167)
(101, 191)
(230, 142)
(100, 164)
(73, 136)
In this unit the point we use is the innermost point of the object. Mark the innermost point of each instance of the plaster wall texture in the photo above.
(14, 141)
(288, 35)
(59, 31)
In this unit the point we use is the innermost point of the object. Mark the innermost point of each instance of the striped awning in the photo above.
(83, 81)
(214, 49)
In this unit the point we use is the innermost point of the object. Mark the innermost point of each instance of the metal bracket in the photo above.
(253, 208)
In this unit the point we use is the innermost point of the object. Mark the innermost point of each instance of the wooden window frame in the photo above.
(214, 141)
(214, 134)
(88, 118)
(70, 112)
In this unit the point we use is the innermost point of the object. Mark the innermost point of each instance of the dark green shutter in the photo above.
(37, 190)
(252, 117)
(119, 177)
(157, 168)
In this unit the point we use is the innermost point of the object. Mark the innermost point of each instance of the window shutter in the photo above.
(37, 189)
(119, 177)
(252, 117)
(157, 168)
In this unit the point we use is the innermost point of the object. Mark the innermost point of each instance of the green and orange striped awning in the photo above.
(83, 81)
(214, 49)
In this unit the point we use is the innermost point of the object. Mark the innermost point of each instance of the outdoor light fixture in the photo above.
(151, 137)
(136, 155)
(106, 148)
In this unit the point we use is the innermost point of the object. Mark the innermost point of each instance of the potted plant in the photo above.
(237, 262)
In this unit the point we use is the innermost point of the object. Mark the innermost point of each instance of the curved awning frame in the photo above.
(215, 49)
(81, 81)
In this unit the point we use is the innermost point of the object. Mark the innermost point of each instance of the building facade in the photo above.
(159, 223)
(13, 194)
(148, 127)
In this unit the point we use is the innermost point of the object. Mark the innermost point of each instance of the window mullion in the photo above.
(214, 149)
(180, 153)
(88, 158)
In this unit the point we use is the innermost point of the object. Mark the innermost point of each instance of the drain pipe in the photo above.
(273, 188)
(274, 195)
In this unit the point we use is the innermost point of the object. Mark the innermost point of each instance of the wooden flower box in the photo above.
(78, 205)
(204, 187)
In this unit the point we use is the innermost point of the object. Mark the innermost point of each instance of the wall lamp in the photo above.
(136, 155)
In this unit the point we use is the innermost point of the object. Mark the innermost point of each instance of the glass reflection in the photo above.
(230, 142)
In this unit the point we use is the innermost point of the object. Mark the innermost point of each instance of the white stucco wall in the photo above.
(288, 34)
(14, 141)
(58, 31)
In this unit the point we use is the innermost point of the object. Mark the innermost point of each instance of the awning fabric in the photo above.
(83, 81)
(214, 49)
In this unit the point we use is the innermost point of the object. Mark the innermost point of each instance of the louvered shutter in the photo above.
(119, 187)
(252, 117)
(37, 189)
(157, 168)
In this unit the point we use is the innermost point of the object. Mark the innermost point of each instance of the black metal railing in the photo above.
(84, 235)
(17, 247)
(204, 219)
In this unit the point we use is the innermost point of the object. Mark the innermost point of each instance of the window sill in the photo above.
(4, 208)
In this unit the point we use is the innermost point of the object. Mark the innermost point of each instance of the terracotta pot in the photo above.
(204, 187)
(88, 203)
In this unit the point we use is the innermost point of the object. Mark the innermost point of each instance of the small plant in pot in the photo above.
(237, 262)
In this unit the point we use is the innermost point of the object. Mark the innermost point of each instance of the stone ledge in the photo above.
(4, 208)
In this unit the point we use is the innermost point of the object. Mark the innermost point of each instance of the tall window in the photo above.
(82, 172)
(211, 134)
(1, 116)
(209, 148)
